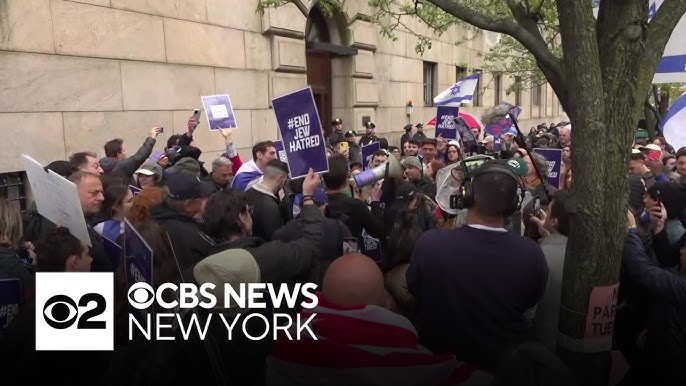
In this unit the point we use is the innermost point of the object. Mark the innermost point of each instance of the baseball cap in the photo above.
(519, 165)
(413, 161)
(150, 169)
(184, 185)
(487, 139)
(185, 164)
(653, 152)
(405, 192)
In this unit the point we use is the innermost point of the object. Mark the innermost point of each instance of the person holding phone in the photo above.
(116, 159)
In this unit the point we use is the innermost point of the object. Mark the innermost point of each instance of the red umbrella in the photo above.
(471, 120)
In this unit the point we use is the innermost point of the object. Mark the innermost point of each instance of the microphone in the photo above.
(494, 115)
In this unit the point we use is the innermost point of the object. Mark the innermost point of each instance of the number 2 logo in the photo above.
(60, 312)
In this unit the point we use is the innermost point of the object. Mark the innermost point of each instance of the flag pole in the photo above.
(523, 144)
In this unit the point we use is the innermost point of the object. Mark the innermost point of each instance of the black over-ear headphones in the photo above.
(465, 195)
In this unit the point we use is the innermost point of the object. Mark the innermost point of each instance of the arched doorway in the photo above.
(319, 65)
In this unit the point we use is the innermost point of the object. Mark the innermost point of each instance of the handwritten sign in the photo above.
(602, 308)
(10, 298)
(301, 132)
(219, 111)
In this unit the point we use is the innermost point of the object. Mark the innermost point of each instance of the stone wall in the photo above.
(74, 74)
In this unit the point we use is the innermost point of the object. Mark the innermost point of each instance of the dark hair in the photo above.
(221, 213)
(77, 160)
(666, 158)
(53, 252)
(681, 153)
(114, 195)
(63, 168)
(459, 152)
(113, 147)
(494, 193)
(379, 153)
(393, 148)
(430, 141)
(436, 165)
(638, 156)
(278, 164)
(174, 140)
(261, 147)
(415, 141)
(337, 176)
(559, 211)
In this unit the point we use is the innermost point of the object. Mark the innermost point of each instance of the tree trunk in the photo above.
(604, 112)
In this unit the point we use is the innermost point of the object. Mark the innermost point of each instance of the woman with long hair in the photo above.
(11, 267)
(113, 211)
(453, 153)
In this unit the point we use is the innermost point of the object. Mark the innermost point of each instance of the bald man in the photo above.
(355, 337)
(354, 279)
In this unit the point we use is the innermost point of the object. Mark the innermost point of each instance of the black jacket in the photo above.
(101, 261)
(280, 261)
(405, 137)
(12, 268)
(190, 243)
(331, 248)
(367, 139)
(129, 165)
(355, 214)
(666, 338)
(266, 216)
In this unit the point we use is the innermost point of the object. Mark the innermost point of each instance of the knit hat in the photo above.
(232, 266)
(150, 169)
(519, 165)
(413, 161)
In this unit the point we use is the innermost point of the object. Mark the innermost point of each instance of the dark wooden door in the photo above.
(319, 78)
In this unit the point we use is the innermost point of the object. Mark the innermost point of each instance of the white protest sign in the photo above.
(56, 199)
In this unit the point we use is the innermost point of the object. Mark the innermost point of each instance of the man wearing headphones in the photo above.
(478, 285)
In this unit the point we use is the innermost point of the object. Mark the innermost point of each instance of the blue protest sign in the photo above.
(10, 298)
(134, 190)
(368, 152)
(497, 129)
(514, 109)
(278, 144)
(113, 251)
(219, 111)
(301, 132)
(137, 262)
(554, 157)
(445, 121)
(371, 247)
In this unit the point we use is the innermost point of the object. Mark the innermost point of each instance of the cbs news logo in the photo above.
(74, 311)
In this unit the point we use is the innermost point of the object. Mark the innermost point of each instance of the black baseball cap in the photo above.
(184, 185)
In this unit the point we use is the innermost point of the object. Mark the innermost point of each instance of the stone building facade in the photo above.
(74, 74)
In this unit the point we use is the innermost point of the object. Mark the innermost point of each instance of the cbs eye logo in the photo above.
(74, 311)
(60, 312)
(141, 295)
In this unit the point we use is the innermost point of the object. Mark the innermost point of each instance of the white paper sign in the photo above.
(219, 111)
(56, 199)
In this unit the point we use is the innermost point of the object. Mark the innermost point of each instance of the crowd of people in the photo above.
(460, 294)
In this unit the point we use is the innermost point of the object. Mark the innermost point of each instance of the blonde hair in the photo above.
(11, 226)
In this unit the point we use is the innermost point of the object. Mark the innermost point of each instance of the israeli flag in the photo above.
(672, 67)
(674, 124)
(460, 92)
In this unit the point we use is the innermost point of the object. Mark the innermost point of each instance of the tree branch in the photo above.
(549, 64)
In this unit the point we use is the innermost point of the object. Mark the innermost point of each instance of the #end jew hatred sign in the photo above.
(445, 121)
(301, 132)
(554, 158)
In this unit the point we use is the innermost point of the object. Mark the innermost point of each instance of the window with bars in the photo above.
(536, 95)
(429, 83)
(518, 90)
(497, 85)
